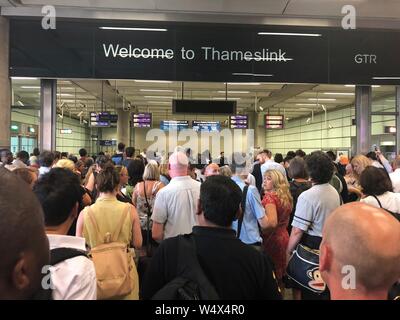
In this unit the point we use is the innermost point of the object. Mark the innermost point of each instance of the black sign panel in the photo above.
(204, 52)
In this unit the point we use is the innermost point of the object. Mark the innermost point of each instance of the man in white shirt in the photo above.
(46, 160)
(20, 161)
(270, 164)
(395, 175)
(73, 278)
(175, 206)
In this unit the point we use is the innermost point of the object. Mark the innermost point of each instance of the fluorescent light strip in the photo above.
(65, 94)
(386, 78)
(234, 92)
(160, 97)
(133, 29)
(153, 81)
(305, 104)
(30, 87)
(353, 86)
(251, 74)
(23, 78)
(156, 90)
(340, 93)
(323, 99)
(290, 34)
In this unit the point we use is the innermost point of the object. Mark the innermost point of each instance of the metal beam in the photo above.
(363, 119)
(48, 90)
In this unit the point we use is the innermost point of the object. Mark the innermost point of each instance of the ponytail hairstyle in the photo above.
(108, 179)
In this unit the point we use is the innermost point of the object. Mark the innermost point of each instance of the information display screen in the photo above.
(177, 125)
(274, 121)
(107, 143)
(238, 121)
(100, 119)
(141, 120)
(209, 126)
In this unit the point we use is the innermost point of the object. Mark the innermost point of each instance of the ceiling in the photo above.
(79, 97)
(217, 10)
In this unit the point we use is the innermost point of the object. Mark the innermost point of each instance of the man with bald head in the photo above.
(24, 248)
(211, 170)
(175, 206)
(360, 252)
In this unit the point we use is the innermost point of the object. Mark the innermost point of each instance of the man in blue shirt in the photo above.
(254, 214)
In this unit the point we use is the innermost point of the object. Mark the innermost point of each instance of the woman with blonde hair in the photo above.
(358, 164)
(278, 204)
(143, 198)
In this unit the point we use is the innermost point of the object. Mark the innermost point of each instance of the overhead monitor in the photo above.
(100, 119)
(204, 106)
(239, 121)
(274, 121)
(107, 143)
(141, 120)
(209, 126)
(177, 125)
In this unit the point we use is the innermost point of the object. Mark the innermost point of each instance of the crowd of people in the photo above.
(244, 219)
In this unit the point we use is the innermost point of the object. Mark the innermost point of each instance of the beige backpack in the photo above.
(112, 261)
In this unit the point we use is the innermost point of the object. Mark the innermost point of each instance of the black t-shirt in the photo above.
(236, 270)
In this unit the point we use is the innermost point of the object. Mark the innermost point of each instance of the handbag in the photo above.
(303, 269)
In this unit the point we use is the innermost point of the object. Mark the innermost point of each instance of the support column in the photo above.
(5, 85)
(397, 120)
(123, 129)
(363, 119)
(48, 100)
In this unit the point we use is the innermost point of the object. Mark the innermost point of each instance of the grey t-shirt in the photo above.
(313, 207)
(176, 205)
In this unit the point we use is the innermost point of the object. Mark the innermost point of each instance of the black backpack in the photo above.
(191, 282)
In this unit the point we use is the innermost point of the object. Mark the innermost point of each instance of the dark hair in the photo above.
(25, 174)
(290, 154)
(108, 179)
(130, 151)
(278, 158)
(102, 161)
(319, 167)
(21, 221)
(64, 154)
(36, 152)
(297, 168)
(220, 198)
(23, 156)
(46, 158)
(83, 152)
(101, 153)
(121, 146)
(375, 181)
(372, 155)
(58, 191)
(300, 153)
(331, 155)
(57, 155)
(135, 171)
(73, 158)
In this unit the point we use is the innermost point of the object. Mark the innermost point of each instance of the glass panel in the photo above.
(383, 99)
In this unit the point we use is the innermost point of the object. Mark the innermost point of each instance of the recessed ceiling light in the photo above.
(340, 93)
